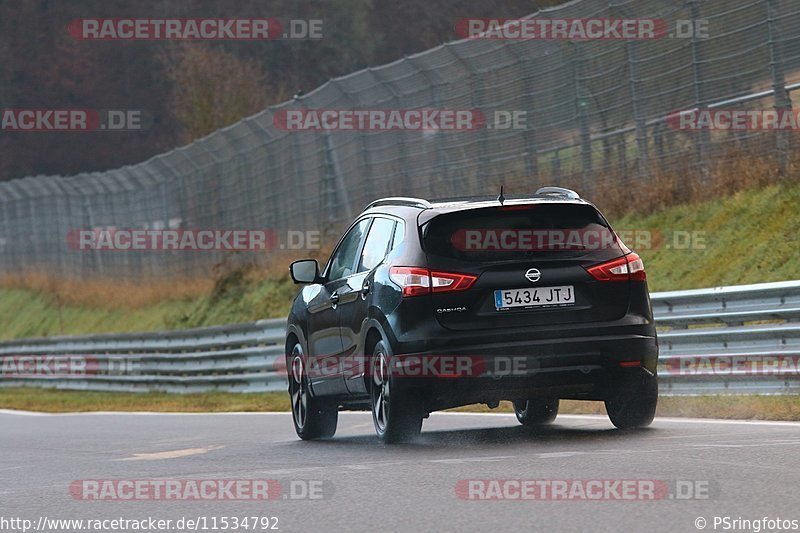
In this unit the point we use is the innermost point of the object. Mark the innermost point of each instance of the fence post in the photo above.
(335, 176)
(478, 102)
(529, 133)
(556, 165)
(8, 257)
(658, 142)
(582, 103)
(783, 103)
(441, 155)
(366, 172)
(622, 161)
(327, 190)
(704, 137)
(408, 184)
(96, 258)
(632, 52)
(632, 57)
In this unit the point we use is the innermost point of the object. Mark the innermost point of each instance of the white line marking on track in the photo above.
(171, 454)
(460, 460)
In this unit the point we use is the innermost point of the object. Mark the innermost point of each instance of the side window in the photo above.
(377, 244)
(399, 235)
(345, 255)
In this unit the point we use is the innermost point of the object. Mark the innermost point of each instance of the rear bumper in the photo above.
(588, 367)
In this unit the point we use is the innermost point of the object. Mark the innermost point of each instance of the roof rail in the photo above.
(401, 200)
(558, 191)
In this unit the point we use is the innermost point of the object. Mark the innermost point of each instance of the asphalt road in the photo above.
(746, 470)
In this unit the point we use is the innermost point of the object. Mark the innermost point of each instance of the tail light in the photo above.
(451, 281)
(415, 281)
(629, 267)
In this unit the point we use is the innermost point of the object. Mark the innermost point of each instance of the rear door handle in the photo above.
(365, 288)
(334, 299)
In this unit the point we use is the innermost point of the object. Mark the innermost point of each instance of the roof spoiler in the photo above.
(558, 192)
(401, 200)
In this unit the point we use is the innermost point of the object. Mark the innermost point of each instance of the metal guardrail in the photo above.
(236, 358)
(725, 340)
(743, 339)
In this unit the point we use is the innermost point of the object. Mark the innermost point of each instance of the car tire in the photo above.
(396, 415)
(312, 418)
(536, 412)
(634, 403)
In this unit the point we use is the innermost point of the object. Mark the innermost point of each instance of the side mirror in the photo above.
(304, 271)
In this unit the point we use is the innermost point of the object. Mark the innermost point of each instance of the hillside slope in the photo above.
(747, 237)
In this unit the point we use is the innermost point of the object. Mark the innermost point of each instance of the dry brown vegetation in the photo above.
(107, 293)
(732, 172)
(729, 171)
(133, 294)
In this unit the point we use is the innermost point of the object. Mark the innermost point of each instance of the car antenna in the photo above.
(500, 197)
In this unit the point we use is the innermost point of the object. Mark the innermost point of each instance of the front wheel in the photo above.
(633, 405)
(396, 415)
(536, 412)
(312, 418)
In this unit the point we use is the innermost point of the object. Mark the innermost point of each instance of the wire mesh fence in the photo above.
(596, 112)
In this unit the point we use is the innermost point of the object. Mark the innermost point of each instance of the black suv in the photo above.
(425, 306)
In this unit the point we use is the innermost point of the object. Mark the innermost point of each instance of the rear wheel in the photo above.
(396, 415)
(536, 412)
(312, 418)
(634, 403)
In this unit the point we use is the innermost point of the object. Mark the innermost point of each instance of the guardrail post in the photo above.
(783, 103)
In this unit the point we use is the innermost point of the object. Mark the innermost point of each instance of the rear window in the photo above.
(516, 231)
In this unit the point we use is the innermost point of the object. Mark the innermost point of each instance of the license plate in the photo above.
(538, 297)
